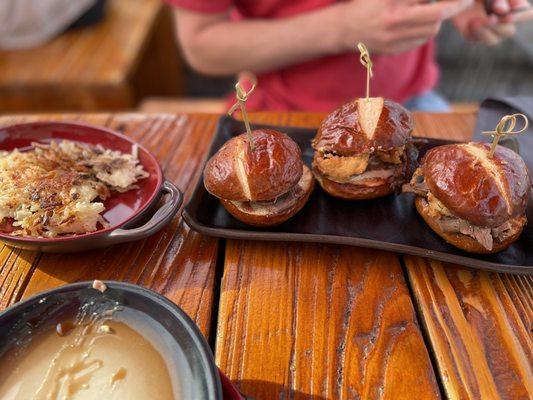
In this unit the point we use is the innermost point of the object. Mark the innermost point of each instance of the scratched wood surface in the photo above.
(176, 262)
(482, 345)
(311, 321)
(306, 321)
(479, 324)
(325, 322)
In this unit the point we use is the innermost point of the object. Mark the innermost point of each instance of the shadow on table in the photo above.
(259, 390)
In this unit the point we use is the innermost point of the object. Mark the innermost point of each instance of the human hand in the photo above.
(394, 26)
(475, 25)
(510, 11)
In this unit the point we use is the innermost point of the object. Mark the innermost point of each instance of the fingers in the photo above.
(503, 31)
(484, 35)
(514, 4)
(420, 22)
(506, 6)
(491, 34)
(436, 12)
(421, 32)
(404, 46)
(513, 10)
(501, 7)
(522, 16)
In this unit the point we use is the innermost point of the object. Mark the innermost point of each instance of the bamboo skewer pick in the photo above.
(242, 96)
(367, 63)
(505, 128)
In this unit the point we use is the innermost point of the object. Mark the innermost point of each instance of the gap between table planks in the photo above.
(317, 321)
(269, 348)
(479, 324)
(310, 321)
(176, 262)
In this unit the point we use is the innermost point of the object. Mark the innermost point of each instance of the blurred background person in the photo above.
(304, 51)
(30, 23)
(471, 71)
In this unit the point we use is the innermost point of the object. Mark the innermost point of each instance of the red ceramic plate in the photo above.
(122, 210)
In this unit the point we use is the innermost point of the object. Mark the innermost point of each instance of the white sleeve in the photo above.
(29, 23)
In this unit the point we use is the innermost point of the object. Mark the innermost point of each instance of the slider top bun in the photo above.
(237, 173)
(361, 126)
(486, 191)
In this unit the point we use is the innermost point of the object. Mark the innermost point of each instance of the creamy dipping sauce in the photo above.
(109, 360)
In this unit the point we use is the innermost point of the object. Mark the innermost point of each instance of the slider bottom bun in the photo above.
(350, 191)
(264, 217)
(463, 242)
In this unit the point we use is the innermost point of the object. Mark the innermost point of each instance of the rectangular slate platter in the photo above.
(390, 223)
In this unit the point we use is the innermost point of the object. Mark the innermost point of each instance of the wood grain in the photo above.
(102, 67)
(478, 324)
(483, 348)
(307, 321)
(182, 105)
(16, 268)
(176, 262)
(458, 126)
(520, 290)
(312, 321)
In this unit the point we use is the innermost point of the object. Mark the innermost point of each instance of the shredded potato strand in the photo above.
(58, 188)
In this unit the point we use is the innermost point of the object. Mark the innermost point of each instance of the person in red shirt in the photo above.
(304, 51)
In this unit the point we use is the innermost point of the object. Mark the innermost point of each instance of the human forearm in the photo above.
(222, 46)
(214, 44)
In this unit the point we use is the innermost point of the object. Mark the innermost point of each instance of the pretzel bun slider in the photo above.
(364, 149)
(261, 187)
(473, 200)
(259, 175)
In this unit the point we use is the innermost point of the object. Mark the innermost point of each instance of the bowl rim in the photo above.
(213, 377)
(100, 232)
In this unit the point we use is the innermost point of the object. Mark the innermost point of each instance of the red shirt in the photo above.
(325, 83)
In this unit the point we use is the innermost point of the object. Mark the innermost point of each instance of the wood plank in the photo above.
(314, 321)
(483, 348)
(183, 105)
(176, 262)
(298, 321)
(16, 268)
(102, 54)
(458, 126)
(107, 66)
(478, 324)
(520, 289)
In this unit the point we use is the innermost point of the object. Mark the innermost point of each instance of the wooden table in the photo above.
(302, 321)
(108, 66)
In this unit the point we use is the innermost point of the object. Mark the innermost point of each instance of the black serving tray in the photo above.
(390, 223)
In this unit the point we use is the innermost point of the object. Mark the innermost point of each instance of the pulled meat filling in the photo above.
(275, 206)
(450, 223)
(366, 169)
(417, 184)
(281, 203)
